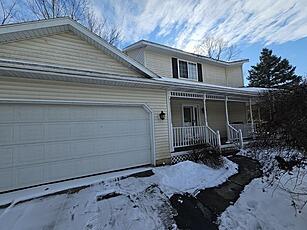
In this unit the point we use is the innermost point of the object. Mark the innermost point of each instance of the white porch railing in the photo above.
(188, 136)
(247, 129)
(235, 136)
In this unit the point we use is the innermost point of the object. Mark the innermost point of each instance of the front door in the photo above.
(190, 115)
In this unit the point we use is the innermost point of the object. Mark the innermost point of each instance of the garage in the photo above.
(41, 143)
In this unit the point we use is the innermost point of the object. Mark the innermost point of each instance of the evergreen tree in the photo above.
(272, 72)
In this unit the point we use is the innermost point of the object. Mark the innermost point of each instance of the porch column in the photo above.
(170, 124)
(227, 119)
(251, 115)
(205, 111)
(206, 119)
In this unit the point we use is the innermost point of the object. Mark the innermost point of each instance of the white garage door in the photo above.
(44, 143)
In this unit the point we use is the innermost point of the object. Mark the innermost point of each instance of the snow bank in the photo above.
(189, 176)
(268, 202)
(269, 210)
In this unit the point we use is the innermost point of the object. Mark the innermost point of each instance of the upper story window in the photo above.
(187, 70)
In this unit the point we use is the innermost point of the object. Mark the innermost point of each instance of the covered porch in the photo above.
(220, 120)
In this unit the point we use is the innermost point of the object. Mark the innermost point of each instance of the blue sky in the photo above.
(251, 25)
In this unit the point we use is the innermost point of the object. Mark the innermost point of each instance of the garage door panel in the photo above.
(26, 113)
(6, 157)
(29, 133)
(28, 154)
(6, 134)
(29, 175)
(7, 114)
(57, 131)
(59, 113)
(44, 143)
(58, 151)
(7, 178)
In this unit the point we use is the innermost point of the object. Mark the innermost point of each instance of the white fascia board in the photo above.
(65, 21)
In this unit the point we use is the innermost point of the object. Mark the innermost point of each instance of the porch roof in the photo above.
(201, 86)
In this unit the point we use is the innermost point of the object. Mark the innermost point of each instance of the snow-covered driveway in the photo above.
(130, 203)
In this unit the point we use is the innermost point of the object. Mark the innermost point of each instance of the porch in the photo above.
(219, 120)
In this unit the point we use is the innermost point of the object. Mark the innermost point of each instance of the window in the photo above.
(192, 70)
(183, 69)
(187, 114)
(188, 70)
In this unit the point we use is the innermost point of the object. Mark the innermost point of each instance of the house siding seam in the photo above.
(64, 49)
(55, 90)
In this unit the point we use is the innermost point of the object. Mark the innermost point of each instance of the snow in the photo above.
(269, 210)
(30, 193)
(268, 202)
(135, 203)
(189, 177)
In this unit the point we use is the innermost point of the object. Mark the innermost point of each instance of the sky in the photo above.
(251, 25)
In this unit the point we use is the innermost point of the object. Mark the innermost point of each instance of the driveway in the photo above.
(134, 202)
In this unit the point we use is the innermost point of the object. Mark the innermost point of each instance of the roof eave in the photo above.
(58, 73)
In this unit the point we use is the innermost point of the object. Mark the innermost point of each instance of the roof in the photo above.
(32, 29)
(145, 43)
(20, 69)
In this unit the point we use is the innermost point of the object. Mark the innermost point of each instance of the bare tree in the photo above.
(46, 9)
(217, 48)
(8, 11)
(79, 10)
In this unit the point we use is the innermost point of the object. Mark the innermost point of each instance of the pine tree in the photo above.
(272, 72)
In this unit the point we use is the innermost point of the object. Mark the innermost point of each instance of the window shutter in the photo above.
(200, 72)
(175, 67)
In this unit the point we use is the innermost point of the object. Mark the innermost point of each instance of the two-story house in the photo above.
(195, 114)
(71, 105)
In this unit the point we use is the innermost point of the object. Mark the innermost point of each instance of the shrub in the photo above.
(208, 155)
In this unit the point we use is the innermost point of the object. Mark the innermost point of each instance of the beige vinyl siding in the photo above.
(237, 112)
(176, 110)
(214, 74)
(137, 54)
(56, 90)
(64, 49)
(235, 76)
(216, 116)
(160, 64)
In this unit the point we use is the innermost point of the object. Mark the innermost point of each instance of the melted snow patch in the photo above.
(189, 176)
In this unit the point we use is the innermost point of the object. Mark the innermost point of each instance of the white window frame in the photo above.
(191, 79)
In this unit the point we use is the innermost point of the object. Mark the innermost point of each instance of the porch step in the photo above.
(230, 151)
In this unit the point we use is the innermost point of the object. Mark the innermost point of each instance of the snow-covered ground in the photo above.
(267, 203)
(131, 203)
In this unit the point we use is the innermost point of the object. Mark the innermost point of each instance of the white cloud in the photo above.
(269, 21)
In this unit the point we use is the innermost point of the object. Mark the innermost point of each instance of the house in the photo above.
(72, 105)
(217, 86)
